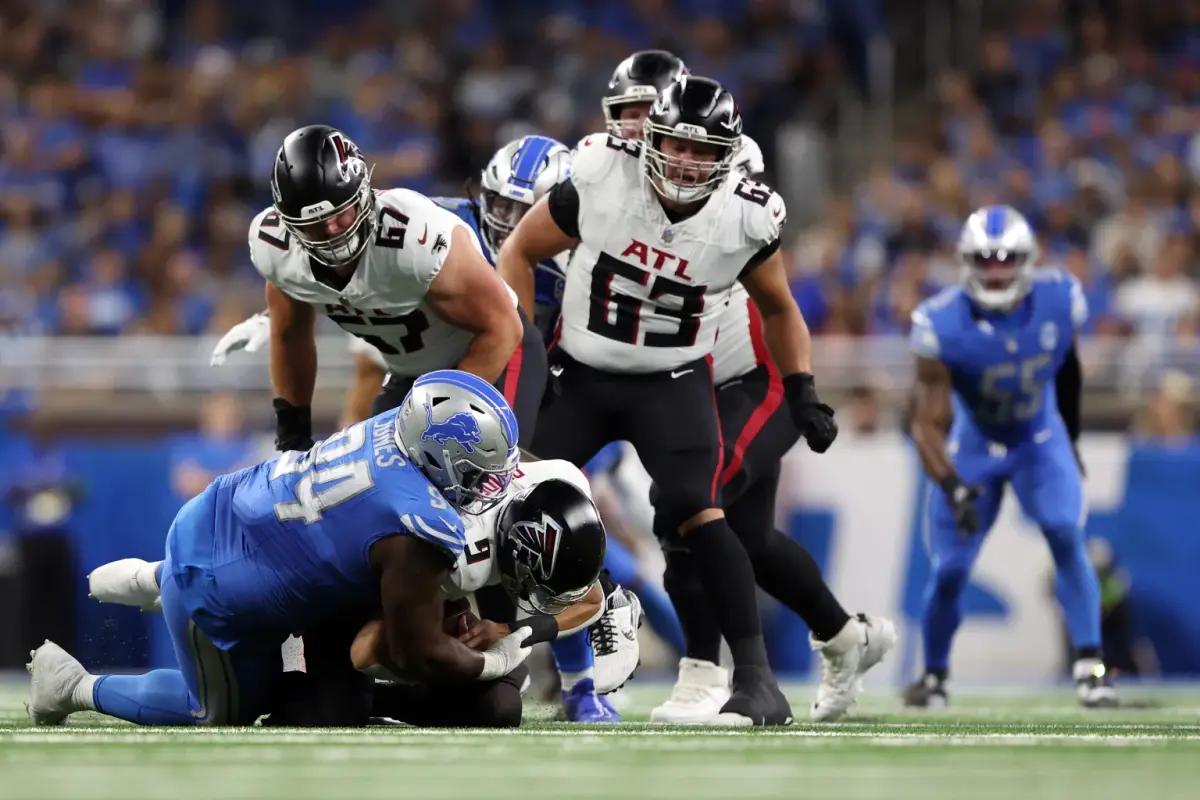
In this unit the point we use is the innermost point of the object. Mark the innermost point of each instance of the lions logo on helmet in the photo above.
(462, 434)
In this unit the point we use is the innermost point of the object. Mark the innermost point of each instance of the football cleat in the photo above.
(615, 640)
(928, 692)
(756, 700)
(861, 644)
(56, 674)
(582, 704)
(1092, 684)
(699, 692)
(128, 582)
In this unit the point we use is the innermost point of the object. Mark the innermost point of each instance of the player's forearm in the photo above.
(293, 367)
(582, 613)
(931, 447)
(517, 270)
(368, 377)
(788, 339)
(491, 349)
(440, 658)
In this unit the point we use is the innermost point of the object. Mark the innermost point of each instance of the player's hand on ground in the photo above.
(812, 417)
(962, 500)
(483, 634)
(249, 335)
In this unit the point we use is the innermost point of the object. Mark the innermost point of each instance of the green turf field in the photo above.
(1015, 744)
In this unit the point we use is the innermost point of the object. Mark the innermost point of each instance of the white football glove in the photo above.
(248, 335)
(505, 655)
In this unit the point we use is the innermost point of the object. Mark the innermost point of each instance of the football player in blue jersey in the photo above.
(366, 519)
(997, 368)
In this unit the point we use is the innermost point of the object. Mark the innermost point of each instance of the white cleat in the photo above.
(700, 692)
(615, 641)
(1092, 684)
(56, 676)
(859, 645)
(127, 582)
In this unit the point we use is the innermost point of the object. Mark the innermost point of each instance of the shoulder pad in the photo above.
(1065, 288)
(748, 160)
(269, 242)
(762, 208)
(598, 153)
(428, 229)
(925, 335)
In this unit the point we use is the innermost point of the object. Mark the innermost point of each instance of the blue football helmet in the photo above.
(462, 434)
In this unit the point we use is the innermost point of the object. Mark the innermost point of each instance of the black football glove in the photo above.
(962, 499)
(293, 426)
(812, 417)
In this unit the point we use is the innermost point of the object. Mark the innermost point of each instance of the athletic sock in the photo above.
(701, 630)
(1076, 586)
(788, 572)
(728, 579)
(574, 658)
(159, 697)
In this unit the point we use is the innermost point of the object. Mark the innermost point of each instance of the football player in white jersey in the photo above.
(544, 545)
(661, 233)
(392, 268)
(757, 429)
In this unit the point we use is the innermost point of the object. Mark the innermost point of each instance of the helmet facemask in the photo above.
(684, 180)
(345, 247)
(611, 106)
(997, 279)
(499, 216)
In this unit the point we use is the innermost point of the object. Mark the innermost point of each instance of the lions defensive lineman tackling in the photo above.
(366, 519)
(988, 355)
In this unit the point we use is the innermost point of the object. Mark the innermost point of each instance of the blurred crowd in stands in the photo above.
(137, 137)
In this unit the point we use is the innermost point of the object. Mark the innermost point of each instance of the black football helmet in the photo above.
(551, 546)
(700, 110)
(319, 173)
(639, 79)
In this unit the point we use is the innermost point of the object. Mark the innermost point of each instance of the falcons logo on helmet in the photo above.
(535, 545)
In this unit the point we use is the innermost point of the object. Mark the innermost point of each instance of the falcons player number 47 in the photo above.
(390, 267)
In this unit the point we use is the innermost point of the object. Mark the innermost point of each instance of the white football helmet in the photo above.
(519, 174)
(996, 252)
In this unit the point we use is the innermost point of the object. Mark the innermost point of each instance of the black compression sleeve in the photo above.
(563, 202)
(1068, 386)
(762, 255)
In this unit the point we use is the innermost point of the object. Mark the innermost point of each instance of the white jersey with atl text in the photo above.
(643, 293)
(478, 565)
(383, 302)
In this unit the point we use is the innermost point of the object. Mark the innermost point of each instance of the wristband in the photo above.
(544, 628)
(293, 426)
(801, 386)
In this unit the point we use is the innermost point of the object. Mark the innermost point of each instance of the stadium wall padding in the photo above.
(858, 508)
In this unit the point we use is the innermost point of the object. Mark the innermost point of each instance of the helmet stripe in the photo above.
(487, 393)
(529, 159)
(993, 223)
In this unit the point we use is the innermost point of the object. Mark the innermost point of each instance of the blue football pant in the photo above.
(1046, 481)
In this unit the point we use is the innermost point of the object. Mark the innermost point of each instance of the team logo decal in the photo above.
(1049, 336)
(349, 161)
(535, 545)
(461, 427)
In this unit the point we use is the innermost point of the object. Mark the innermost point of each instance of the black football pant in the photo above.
(670, 418)
(758, 431)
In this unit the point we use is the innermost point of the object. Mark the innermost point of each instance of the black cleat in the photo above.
(928, 692)
(756, 700)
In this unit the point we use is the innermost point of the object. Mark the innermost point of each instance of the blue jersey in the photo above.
(279, 545)
(1002, 365)
(549, 279)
